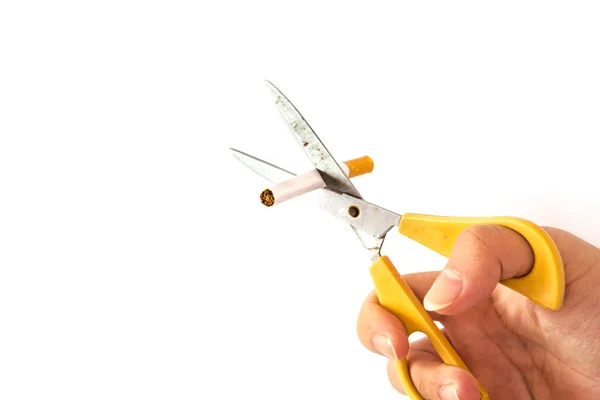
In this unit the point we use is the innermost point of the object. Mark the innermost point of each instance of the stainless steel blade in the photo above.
(270, 172)
(370, 225)
(332, 174)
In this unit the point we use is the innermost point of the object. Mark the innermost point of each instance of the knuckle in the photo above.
(479, 244)
(481, 237)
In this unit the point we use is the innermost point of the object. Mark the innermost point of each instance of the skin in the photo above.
(517, 350)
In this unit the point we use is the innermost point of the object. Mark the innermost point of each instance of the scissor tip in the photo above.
(234, 152)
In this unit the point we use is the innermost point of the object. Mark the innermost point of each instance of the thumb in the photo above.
(484, 255)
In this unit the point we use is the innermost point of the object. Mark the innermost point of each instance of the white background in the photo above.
(136, 261)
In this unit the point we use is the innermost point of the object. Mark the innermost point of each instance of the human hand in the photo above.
(515, 348)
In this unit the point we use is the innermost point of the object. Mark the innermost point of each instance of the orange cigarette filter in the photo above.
(359, 166)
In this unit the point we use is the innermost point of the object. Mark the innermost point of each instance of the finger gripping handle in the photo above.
(545, 283)
(396, 296)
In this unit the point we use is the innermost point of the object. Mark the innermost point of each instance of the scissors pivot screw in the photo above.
(354, 211)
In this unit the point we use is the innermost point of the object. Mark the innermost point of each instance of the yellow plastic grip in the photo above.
(544, 284)
(396, 296)
(359, 166)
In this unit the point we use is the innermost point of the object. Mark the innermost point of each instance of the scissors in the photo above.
(544, 284)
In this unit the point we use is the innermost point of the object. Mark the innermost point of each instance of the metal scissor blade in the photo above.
(332, 174)
(372, 222)
(270, 172)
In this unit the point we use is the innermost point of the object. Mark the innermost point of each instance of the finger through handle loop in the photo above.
(545, 283)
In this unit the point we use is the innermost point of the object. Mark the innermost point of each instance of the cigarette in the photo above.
(310, 181)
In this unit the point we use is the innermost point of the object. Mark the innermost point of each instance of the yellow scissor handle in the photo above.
(396, 296)
(544, 284)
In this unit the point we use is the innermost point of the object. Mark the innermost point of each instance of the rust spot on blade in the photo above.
(305, 144)
(354, 211)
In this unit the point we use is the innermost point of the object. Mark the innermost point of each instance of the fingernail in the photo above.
(448, 392)
(384, 346)
(444, 291)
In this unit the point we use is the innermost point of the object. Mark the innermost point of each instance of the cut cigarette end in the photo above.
(267, 198)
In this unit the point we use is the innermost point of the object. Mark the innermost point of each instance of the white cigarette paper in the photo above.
(295, 186)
